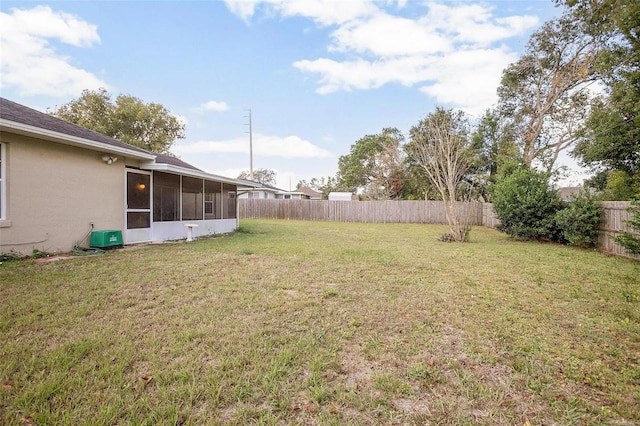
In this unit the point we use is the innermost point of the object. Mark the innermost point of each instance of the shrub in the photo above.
(39, 254)
(579, 221)
(627, 240)
(450, 238)
(526, 205)
(11, 256)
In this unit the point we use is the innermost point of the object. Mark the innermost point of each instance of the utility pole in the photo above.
(250, 146)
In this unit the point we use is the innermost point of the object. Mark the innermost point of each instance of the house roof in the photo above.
(19, 119)
(174, 161)
(310, 192)
(27, 121)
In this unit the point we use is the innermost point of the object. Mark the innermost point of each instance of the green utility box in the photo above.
(106, 239)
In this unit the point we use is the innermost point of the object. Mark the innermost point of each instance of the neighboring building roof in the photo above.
(310, 192)
(568, 192)
(24, 120)
(302, 195)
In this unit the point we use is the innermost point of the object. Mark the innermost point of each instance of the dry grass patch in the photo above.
(323, 323)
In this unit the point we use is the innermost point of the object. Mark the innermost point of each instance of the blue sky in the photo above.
(317, 74)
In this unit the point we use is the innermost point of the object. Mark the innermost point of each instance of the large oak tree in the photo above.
(150, 126)
(610, 144)
(375, 165)
(543, 96)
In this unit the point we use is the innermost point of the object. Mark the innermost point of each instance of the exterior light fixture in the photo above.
(109, 159)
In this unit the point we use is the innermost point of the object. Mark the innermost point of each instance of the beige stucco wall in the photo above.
(54, 192)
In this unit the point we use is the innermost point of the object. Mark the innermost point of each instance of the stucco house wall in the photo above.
(59, 182)
(55, 192)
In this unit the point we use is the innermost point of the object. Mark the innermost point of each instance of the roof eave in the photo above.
(170, 168)
(50, 135)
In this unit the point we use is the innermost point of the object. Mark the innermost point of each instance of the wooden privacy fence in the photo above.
(358, 211)
(613, 222)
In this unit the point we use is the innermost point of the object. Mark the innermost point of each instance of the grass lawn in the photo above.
(323, 323)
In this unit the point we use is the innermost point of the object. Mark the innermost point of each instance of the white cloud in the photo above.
(215, 106)
(385, 35)
(402, 3)
(263, 145)
(31, 64)
(230, 173)
(363, 74)
(454, 53)
(468, 79)
(475, 24)
(323, 12)
(243, 8)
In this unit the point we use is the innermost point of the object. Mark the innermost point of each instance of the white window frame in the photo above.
(3, 181)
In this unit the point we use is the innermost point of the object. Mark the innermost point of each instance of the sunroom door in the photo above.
(138, 207)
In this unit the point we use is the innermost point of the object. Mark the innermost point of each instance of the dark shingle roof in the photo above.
(310, 192)
(21, 114)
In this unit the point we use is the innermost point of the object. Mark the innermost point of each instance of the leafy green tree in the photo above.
(621, 186)
(611, 140)
(149, 126)
(264, 176)
(92, 110)
(541, 96)
(330, 185)
(441, 146)
(494, 140)
(418, 185)
(526, 205)
(375, 163)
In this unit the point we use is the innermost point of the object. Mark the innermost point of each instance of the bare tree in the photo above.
(441, 146)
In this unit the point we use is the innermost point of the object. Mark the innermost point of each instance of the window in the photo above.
(138, 191)
(212, 199)
(192, 200)
(166, 197)
(137, 220)
(138, 200)
(185, 198)
(3, 181)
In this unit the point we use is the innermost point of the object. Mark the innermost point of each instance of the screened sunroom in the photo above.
(171, 201)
